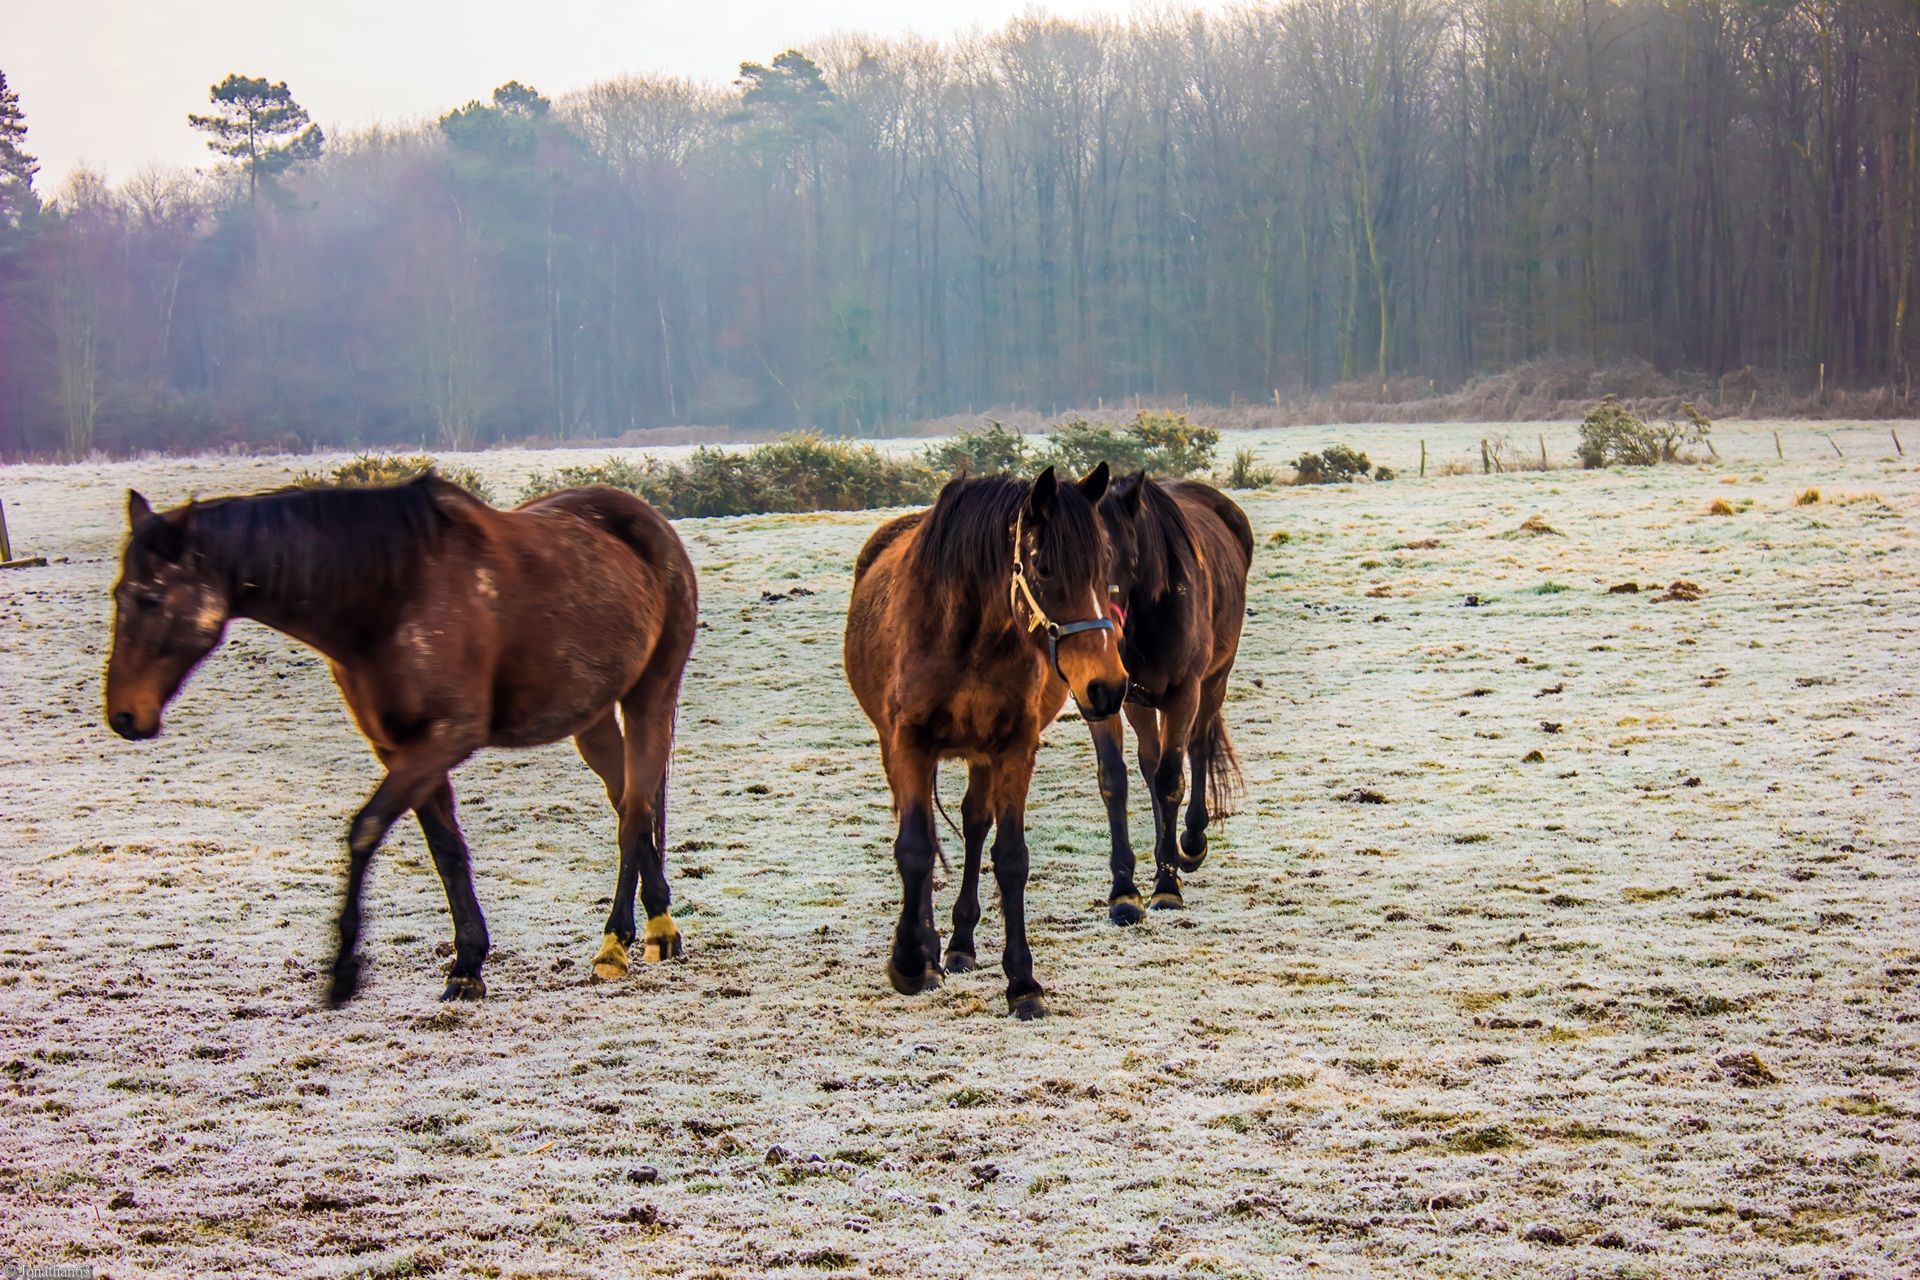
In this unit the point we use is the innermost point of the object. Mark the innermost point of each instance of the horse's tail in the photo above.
(660, 806)
(1226, 784)
(939, 849)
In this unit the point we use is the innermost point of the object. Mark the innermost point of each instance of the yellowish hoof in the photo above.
(662, 941)
(612, 961)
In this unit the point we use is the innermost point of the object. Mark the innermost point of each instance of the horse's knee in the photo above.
(363, 834)
(913, 854)
(1010, 867)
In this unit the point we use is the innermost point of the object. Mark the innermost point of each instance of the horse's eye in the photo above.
(146, 603)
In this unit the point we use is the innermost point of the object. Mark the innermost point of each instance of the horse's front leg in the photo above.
(913, 966)
(413, 774)
(1166, 784)
(1109, 747)
(449, 848)
(1025, 997)
(976, 819)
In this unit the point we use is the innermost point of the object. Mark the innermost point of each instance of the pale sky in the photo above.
(110, 82)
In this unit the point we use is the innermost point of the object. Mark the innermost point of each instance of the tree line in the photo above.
(869, 233)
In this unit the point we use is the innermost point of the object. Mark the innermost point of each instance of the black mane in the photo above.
(1165, 559)
(966, 541)
(317, 543)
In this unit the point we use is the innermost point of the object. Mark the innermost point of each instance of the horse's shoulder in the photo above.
(881, 539)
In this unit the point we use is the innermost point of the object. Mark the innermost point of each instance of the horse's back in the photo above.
(627, 517)
(1196, 495)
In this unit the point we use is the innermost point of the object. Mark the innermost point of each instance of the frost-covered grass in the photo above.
(1643, 1006)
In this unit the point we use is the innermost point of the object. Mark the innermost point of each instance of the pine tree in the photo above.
(250, 118)
(16, 166)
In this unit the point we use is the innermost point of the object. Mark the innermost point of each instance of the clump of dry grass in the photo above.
(1746, 1069)
(1807, 498)
(1720, 507)
(1534, 526)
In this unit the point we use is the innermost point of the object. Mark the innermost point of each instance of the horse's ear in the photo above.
(1133, 492)
(167, 538)
(1046, 488)
(1095, 482)
(138, 508)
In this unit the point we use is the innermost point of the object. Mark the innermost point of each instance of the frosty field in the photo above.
(1646, 1004)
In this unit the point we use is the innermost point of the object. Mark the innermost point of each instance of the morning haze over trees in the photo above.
(868, 233)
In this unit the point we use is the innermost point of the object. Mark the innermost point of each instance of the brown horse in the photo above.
(953, 650)
(1181, 555)
(449, 627)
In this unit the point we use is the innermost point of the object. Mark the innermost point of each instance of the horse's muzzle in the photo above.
(124, 724)
(1103, 700)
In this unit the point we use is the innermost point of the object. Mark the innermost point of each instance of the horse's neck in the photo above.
(339, 628)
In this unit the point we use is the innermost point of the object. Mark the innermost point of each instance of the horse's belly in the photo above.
(980, 726)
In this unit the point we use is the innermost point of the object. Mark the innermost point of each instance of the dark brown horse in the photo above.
(969, 625)
(449, 627)
(1181, 555)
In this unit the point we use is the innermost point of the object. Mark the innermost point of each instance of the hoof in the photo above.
(474, 988)
(928, 980)
(1167, 902)
(663, 941)
(1126, 910)
(612, 962)
(961, 962)
(1028, 1007)
(1192, 850)
(346, 981)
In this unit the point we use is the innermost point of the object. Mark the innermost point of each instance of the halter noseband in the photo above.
(1037, 617)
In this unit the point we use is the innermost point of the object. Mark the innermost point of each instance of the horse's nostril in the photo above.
(122, 722)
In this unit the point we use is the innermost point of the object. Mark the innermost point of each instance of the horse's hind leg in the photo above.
(456, 876)
(1164, 784)
(648, 715)
(605, 752)
(1109, 746)
(976, 819)
(913, 964)
(1192, 850)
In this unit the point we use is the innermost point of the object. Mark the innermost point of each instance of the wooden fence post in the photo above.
(1543, 452)
(1896, 442)
(6, 548)
(1776, 445)
(1486, 459)
(1423, 459)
